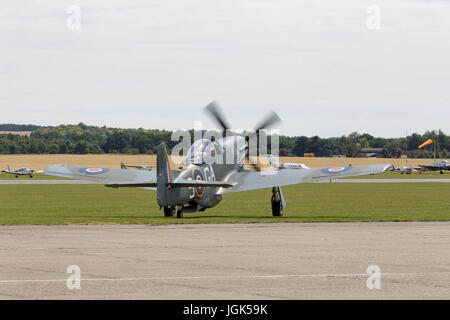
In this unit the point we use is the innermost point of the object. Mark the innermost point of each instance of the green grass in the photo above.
(68, 204)
(398, 175)
(36, 176)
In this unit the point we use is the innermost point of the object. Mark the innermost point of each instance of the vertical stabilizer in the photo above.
(163, 174)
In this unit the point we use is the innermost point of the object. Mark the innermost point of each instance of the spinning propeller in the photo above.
(269, 120)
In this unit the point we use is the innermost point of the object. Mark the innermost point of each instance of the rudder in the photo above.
(163, 174)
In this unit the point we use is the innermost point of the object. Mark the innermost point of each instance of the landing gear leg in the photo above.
(442, 172)
(180, 212)
(169, 212)
(277, 202)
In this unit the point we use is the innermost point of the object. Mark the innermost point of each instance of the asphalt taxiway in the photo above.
(227, 261)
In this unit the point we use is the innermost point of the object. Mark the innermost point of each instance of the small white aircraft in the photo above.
(126, 166)
(21, 172)
(405, 169)
(279, 165)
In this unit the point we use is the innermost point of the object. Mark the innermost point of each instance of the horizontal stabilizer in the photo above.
(178, 184)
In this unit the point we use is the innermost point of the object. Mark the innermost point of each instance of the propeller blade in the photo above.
(270, 119)
(214, 111)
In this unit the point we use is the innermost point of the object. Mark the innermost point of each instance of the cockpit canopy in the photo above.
(203, 151)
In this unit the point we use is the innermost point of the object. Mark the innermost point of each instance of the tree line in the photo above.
(85, 139)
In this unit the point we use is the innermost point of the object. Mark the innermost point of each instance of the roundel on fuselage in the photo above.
(197, 175)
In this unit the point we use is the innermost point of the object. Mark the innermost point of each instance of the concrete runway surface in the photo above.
(227, 261)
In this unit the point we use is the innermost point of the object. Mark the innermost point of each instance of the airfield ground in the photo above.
(314, 202)
(127, 249)
(227, 261)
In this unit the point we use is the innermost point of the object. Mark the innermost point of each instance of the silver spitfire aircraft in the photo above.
(202, 181)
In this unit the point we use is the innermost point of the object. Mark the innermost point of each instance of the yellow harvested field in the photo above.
(39, 162)
(19, 133)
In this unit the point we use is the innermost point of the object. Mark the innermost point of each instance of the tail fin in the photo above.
(163, 174)
(9, 168)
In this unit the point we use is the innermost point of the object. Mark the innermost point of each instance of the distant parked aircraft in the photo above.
(437, 166)
(126, 166)
(20, 172)
(277, 165)
(405, 169)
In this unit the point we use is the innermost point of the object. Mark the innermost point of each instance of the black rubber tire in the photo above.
(276, 208)
(169, 212)
(180, 213)
(442, 172)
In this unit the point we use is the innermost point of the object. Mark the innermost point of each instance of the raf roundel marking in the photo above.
(92, 171)
(335, 170)
(197, 175)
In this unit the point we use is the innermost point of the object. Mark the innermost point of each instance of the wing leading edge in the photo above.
(101, 175)
(246, 181)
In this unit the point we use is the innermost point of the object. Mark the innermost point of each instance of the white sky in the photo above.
(156, 63)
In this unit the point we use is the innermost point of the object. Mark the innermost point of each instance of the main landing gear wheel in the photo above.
(277, 204)
(169, 211)
(180, 213)
(442, 172)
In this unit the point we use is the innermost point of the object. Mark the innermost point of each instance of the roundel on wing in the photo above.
(91, 171)
(335, 170)
(197, 175)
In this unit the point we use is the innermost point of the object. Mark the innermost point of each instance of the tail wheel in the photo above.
(169, 211)
(180, 213)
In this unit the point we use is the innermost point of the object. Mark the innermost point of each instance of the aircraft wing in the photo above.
(101, 175)
(125, 178)
(267, 179)
(428, 167)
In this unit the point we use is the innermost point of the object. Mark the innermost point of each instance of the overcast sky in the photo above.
(324, 66)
